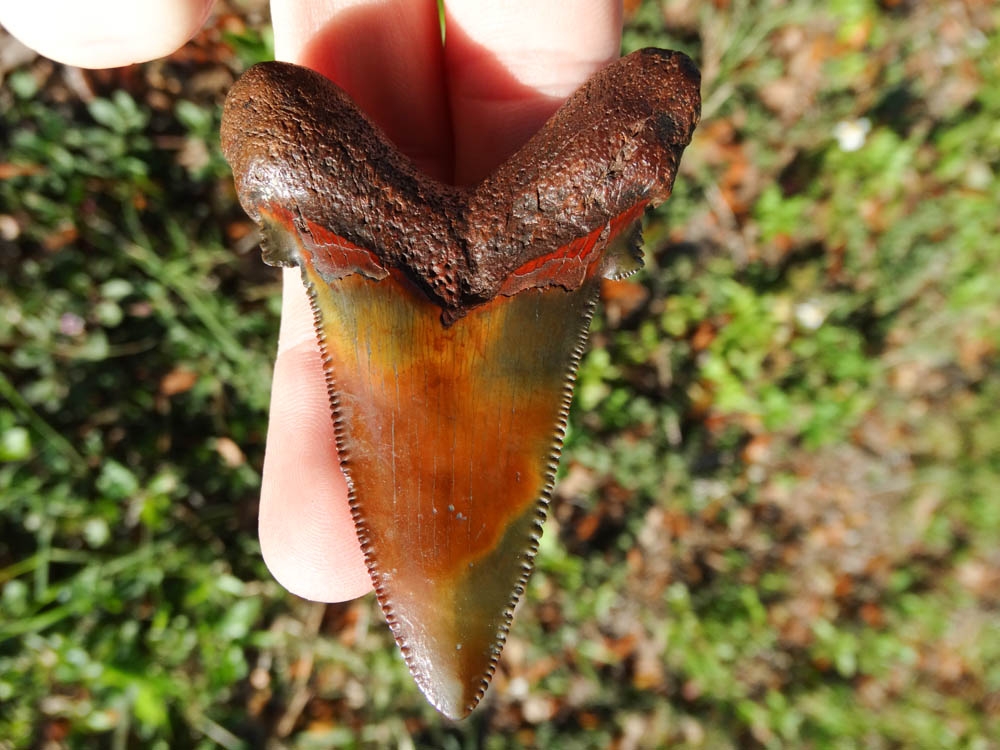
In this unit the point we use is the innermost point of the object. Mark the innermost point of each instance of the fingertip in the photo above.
(104, 33)
(510, 65)
(307, 534)
(548, 46)
(387, 55)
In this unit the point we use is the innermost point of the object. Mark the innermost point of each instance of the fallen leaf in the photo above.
(178, 380)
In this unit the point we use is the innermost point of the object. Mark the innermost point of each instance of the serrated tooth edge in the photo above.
(534, 537)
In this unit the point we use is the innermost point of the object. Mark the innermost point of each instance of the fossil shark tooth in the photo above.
(452, 321)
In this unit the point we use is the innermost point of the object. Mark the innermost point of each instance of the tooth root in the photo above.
(449, 438)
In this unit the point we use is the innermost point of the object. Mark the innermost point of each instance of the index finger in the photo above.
(504, 68)
(387, 55)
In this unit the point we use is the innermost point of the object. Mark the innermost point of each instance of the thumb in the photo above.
(104, 33)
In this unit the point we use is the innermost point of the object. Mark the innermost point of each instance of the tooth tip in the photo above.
(450, 641)
(451, 694)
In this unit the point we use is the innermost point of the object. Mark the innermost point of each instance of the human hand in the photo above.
(457, 110)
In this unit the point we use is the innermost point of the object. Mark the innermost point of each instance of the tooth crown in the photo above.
(451, 322)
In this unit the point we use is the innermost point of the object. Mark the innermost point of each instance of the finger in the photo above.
(307, 535)
(387, 55)
(510, 65)
(306, 532)
(104, 33)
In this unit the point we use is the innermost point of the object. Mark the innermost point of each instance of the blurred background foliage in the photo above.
(777, 523)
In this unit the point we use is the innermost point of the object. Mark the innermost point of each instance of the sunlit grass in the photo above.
(776, 525)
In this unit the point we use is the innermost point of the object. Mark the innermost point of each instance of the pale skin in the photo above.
(458, 110)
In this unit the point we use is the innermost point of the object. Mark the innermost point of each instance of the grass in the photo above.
(777, 522)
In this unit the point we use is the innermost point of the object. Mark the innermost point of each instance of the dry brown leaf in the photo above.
(230, 452)
(178, 380)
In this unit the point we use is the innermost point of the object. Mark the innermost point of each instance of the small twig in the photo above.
(724, 213)
(218, 733)
(38, 423)
(302, 691)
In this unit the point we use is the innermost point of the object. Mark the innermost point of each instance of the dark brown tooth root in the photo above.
(297, 140)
